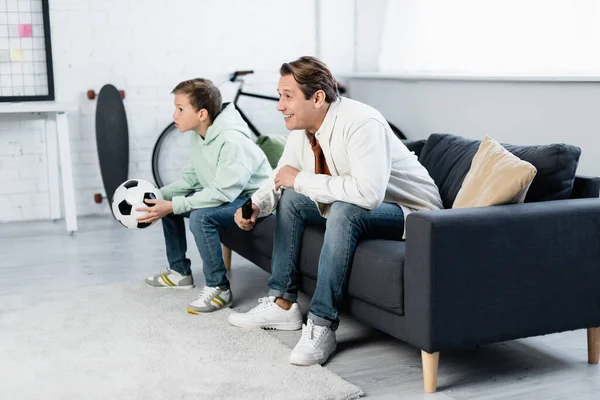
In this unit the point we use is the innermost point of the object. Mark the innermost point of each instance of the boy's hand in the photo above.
(286, 176)
(156, 211)
(246, 224)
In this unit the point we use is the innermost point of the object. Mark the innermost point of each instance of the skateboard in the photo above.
(112, 139)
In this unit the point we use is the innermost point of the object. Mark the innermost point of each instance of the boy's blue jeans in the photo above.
(206, 225)
(345, 226)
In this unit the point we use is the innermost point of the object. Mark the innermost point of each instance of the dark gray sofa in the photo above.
(466, 277)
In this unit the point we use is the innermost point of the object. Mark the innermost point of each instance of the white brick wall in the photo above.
(144, 47)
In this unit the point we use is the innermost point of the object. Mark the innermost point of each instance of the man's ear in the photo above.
(202, 115)
(319, 98)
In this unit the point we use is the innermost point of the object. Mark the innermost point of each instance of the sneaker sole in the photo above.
(288, 326)
(304, 362)
(198, 312)
(170, 287)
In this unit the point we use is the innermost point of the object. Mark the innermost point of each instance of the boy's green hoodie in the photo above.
(223, 166)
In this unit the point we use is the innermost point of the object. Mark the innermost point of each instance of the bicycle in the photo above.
(169, 152)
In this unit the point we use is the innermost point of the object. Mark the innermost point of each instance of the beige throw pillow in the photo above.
(496, 177)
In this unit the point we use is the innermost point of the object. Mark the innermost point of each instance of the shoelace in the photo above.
(207, 293)
(308, 333)
(264, 303)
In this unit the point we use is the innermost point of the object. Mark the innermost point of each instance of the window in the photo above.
(492, 37)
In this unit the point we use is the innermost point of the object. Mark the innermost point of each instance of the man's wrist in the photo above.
(298, 181)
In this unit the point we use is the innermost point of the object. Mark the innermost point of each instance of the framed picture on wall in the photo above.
(25, 51)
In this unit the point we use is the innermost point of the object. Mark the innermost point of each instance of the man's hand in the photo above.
(157, 210)
(246, 224)
(286, 177)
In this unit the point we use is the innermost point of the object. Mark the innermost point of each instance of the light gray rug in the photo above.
(133, 342)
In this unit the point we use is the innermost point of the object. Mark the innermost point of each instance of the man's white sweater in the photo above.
(368, 164)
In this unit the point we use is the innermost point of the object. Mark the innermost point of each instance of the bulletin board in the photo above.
(25, 51)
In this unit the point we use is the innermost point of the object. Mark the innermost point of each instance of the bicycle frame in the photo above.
(240, 92)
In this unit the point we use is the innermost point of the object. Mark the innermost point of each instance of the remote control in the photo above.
(247, 209)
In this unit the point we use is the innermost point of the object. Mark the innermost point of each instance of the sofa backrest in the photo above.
(448, 159)
(415, 145)
(586, 187)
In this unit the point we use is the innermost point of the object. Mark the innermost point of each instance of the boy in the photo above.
(225, 167)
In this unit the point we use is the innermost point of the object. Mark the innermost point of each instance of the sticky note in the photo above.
(24, 30)
(16, 55)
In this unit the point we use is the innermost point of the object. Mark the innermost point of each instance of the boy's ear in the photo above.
(202, 114)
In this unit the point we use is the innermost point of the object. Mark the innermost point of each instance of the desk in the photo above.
(58, 158)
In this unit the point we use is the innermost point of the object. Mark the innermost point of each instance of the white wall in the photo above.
(369, 33)
(511, 112)
(517, 112)
(350, 34)
(144, 47)
(336, 32)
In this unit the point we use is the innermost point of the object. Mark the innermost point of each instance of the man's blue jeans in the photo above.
(345, 226)
(206, 225)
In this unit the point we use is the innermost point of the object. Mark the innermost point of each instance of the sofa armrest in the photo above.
(585, 187)
(489, 274)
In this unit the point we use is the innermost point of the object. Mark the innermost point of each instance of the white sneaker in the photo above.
(315, 346)
(170, 279)
(268, 315)
(210, 299)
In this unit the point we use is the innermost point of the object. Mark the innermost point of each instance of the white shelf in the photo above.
(37, 106)
(457, 77)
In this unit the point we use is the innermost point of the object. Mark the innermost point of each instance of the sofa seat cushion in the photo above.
(376, 275)
(448, 160)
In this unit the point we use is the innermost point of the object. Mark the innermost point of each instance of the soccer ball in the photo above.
(129, 196)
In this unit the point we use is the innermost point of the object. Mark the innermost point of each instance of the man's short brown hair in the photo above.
(202, 93)
(312, 75)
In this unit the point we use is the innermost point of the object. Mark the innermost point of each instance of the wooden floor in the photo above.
(41, 257)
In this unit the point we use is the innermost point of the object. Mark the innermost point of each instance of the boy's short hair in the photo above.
(312, 74)
(202, 93)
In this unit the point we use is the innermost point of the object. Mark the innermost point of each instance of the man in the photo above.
(343, 168)
(225, 167)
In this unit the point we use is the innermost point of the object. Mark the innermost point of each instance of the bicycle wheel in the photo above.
(170, 155)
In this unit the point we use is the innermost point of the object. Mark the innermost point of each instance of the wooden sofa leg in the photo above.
(226, 256)
(593, 341)
(430, 370)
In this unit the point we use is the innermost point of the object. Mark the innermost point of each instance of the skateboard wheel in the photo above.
(92, 94)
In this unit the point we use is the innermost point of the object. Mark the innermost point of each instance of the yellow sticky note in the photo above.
(16, 55)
